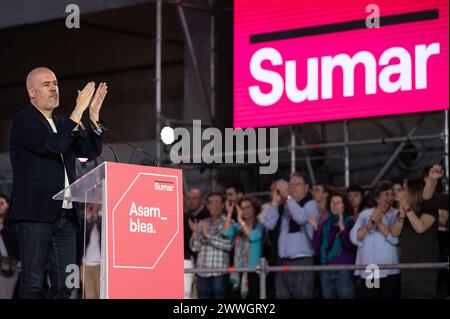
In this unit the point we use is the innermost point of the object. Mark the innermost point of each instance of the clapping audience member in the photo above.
(417, 226)
(248, 235)
(332, 244)
(376, 244)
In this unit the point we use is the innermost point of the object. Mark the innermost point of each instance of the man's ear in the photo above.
(31, 92)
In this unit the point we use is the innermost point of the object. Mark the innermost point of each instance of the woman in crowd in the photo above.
(417, 226)
(397, 187)
(356, 200)
(433, 193)
(249, 238)
(333, 246)
(376, 245)
(321, 194)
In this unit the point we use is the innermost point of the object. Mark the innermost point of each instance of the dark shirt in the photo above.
(417, 248)
(438, 201)
(423, 247)
(347, 255)
(202, 214)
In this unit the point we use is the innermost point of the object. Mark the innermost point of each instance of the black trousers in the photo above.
(253, 287)
(389, 289)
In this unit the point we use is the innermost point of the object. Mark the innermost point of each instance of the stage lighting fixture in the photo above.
(167, 135)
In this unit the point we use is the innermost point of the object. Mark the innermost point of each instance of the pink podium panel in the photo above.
(144, 235)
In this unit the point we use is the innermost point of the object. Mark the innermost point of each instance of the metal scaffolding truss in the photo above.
(209, 98)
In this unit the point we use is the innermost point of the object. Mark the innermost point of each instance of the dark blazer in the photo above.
(38, 171)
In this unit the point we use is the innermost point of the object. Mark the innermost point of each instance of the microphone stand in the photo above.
(104, 129)
(116, 158)
(94, 128)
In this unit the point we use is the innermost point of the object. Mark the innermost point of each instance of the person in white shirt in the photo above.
(376, 245)
(90, 270)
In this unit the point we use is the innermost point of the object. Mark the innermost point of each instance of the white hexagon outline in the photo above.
(171, 240)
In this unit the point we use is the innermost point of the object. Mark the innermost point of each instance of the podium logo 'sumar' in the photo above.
(164, 186)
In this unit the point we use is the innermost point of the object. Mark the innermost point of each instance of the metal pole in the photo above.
(187, 35)
(158, 78)
(284, 268)
(446, 147)
(397, 151)
(365, 142)
(214, 179)
(347, 155)
(190, 6)
(308, 163)
(212, 62)
(212, 80)
(337, 144)
(429, 265)
(292, 150)
(306, 147)
(262, 278)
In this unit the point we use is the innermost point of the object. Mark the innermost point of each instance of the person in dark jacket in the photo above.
(417, 226)
(43, 150)
(9, 252)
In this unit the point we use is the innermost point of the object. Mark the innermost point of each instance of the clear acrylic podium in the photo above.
(89, 189)
(133, 258)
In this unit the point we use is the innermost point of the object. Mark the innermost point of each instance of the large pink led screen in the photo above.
(302, 61)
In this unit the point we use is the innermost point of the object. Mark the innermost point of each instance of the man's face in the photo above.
(297, 187)
(194, 200)
(93, 210)
(318, 193)
(231, 195)
(215, 206)
(3, 207)
(354, 199)
(43, 90)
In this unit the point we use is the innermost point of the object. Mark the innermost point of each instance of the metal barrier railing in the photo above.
(263, 269)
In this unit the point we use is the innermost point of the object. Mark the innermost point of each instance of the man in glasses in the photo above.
(213, 250)
(291, 223)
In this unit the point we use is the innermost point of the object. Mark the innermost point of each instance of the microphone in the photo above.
(116, 158)
(102, 126)
(94, 128)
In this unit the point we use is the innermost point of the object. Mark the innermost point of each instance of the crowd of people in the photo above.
(394, 222)
(301, 225)
(403, 221)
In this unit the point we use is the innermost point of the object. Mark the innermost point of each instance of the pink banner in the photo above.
(313, 61)
(144, 232)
